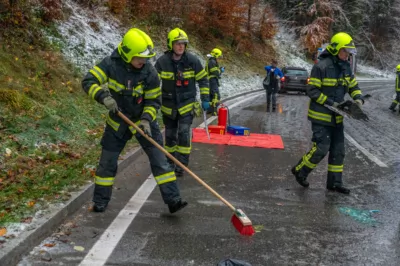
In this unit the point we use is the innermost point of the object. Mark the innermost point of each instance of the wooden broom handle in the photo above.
(137, 128)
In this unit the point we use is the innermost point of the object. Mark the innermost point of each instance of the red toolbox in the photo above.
(216, 129)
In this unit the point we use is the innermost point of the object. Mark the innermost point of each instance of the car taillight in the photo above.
(308, 80)
(282, 79)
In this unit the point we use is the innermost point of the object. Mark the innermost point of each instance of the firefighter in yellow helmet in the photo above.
(214, 72)
(396, 101)
(331, 78)
(180, 71)
(134, 90)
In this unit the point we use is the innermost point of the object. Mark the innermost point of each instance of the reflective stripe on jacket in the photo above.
(186, 72)
(136, 91)
(330, 80)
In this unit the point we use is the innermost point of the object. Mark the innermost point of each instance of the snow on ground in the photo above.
(291, 55)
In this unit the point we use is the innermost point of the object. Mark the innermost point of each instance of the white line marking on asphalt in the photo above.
(363, 150)
(209, 120)
(103, 248)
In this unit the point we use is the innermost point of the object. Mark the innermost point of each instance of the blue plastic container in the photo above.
(238, 130)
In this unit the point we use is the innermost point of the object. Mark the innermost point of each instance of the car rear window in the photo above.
(296, 72)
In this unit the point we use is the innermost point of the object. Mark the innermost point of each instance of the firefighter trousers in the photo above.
(112, 145)
(396, 101)
(325, 139)
(214, 94)
(178, 138)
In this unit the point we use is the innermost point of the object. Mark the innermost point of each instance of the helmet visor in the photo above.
(352, 51)
(149, 52)
(181, 42)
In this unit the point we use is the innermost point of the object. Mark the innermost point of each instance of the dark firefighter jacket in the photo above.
(214, 73)
(136, 91)
(330, 80)
(179, 83)
(398, 82)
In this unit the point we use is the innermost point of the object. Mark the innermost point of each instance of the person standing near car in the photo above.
(271, 83)
(331, 79)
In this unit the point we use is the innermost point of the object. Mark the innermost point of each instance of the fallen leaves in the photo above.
(3, 231)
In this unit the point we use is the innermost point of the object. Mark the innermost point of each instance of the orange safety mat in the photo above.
(266, 141)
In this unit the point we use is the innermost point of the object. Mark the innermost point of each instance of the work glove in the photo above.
(196, 109)
(222, 69)
(110, 104)
(214, 102)
(145, 126)
(359, 102)
(205, 105)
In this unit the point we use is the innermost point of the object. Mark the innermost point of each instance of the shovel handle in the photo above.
(198, 179)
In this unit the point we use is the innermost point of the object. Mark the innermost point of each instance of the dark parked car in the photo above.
(294, 79)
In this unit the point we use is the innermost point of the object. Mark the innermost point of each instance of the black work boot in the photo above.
(301, 180)
(99, 207)
(393, 107)
(177, 206)
(273, 107)
(339, 189)
(268, 107)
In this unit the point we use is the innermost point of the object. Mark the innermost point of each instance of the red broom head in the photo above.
(242, 224)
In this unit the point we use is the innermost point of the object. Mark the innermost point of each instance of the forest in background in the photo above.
(245, 25)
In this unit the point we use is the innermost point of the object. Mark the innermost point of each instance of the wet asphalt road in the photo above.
(295, 226)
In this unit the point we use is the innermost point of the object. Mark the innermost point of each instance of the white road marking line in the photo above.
(209, 120)
(103, 248)
(363, 150)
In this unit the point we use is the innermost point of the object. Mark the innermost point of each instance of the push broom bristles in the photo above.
(242, 223)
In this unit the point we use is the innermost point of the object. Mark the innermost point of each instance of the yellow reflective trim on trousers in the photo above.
(93, 90)
(165, 178)
(104, 181)
(339, 119)
(170, 149)
(335, 168)
(322, 98)
(99, 74)
(167, 75)
(319, 116)
(151, 111)
(152, 94)
(204, 90)
(166, 110)
(112, 123)
(212, 76)
(201, 74)
(316, 82)
(184, 150)
(307, 157)
(354, 93)
(185, 109)
(115, 86)
(188, 74)
(396, 102)
(132, 129)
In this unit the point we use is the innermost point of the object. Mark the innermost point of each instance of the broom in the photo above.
(239, 219)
